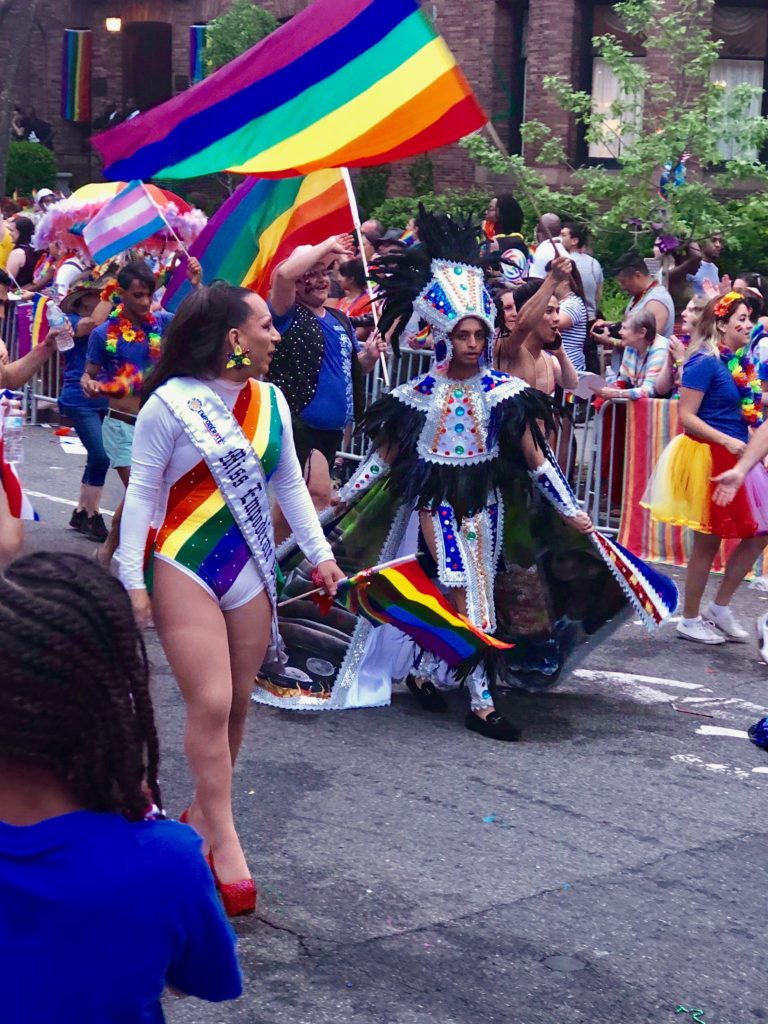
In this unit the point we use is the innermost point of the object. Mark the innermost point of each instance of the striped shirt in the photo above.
(640, 369)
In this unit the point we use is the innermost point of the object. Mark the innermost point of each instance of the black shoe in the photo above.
(95, 528)
(79, 519)
(427, 694)
(495, 726)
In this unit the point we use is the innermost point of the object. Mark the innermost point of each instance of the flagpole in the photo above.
(359, 232)
(183, 247)
(364, 572)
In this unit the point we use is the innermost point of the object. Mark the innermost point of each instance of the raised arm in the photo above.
(283, 294)
(16, 374)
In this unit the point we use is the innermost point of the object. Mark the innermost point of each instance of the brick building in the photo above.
(505, 47)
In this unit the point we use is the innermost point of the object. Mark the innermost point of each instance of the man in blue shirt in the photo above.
(121, 353)
(319, 363)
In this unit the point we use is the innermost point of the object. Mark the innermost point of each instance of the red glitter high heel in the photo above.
(239, 898)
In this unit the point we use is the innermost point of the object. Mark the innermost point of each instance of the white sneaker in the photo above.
(761, 626)
(700, 632)
(727, 623)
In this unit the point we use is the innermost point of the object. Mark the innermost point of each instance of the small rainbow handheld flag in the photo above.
(344, 83)
(400, 594)
(260, 225)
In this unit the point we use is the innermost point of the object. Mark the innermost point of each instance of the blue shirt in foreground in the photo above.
(98, 915)
(721, 405)
(134, 353)
(73, 367)
(331, 408)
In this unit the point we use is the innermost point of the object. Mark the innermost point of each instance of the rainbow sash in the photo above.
(218, 513)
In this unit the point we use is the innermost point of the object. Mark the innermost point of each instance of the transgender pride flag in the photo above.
(127, 219)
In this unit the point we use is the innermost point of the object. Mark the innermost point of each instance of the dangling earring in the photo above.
(238, 357)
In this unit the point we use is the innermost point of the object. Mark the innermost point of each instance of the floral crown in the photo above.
(724, 305)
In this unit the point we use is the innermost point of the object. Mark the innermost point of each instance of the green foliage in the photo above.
(397, 211)
(421, 174)
(234, 32)
(371, 188)
(30, 166)
(684, 117)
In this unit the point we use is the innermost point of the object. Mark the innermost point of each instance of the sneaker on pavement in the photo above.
(700, 632)
(727, 623)
(79, 519)
(761, 627)
(95, 528)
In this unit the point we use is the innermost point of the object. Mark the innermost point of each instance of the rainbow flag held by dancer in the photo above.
(400, 594)
(343, 83)
(260, 225)
(196, 47)
(128, 218)
(76, 62)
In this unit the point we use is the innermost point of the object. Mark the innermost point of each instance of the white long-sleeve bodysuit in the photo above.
(172, 489)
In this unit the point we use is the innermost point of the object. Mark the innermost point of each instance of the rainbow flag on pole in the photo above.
(76, 61)
(401, 594)
(196, 48)
(128, 218)
(260, 225)
(343, 83)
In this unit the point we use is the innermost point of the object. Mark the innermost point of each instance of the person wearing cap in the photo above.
(319, 364)
(85, 310)
(45, 199)
(645, 292)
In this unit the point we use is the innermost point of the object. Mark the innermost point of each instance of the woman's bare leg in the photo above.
(194, 636)
(740, 562)
(705, 547)
(248, 630)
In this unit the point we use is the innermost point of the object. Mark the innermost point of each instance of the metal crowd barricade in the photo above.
(45, 386)
(587, 443)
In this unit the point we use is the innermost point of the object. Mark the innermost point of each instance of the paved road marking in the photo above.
(60, 501)
(716, 730)
(602, 676)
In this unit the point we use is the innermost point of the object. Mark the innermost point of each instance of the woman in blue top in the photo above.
(85, 311)
(719, 402)
(101, 909)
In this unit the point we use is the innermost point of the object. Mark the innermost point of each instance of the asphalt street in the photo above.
(611, 867)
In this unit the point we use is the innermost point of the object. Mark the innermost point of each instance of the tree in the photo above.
(30, 167)
(234, 32)
(16, 20)
(681, 121)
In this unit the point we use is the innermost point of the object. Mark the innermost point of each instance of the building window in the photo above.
(623, 112)
(743, 61)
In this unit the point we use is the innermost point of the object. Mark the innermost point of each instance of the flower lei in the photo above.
(119, 326)
(747, 381)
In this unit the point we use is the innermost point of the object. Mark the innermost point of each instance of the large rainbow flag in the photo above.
(76, 62)
(402, 595)
(260, 225)
(344, 83)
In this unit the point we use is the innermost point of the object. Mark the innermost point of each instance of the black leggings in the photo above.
(308, 439)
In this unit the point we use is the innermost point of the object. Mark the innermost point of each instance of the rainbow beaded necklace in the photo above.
(747, 381)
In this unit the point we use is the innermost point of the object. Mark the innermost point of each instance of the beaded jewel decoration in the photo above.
(456, 291)
(119, 326)
(238, 357)
(747, 381)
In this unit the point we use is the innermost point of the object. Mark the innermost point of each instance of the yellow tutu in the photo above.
(680, 490)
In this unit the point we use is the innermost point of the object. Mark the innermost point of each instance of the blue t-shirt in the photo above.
(134, 353)
(331, 408)
(73, 367)
(98, 915)
(721, 405)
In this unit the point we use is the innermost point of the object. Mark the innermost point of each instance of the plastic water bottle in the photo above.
(56, 321)
(13, 433)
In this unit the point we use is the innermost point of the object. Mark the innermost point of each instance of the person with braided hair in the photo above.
(105, 901)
